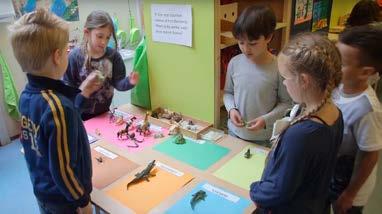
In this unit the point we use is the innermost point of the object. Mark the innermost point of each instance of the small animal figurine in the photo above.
(123, 132)
(174, 130)
(248, 154)
(158, 135)
(97, 132)
(143, 175)
(198, 196)
(111, 115)
(246, 124)
(179, 139)
(155, 115)
(165, 114)
(99, 159)
(133, 138)
(177, 117)
(145, 126)
(131, 121)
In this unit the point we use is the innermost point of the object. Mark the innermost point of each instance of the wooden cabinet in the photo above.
(228, 11)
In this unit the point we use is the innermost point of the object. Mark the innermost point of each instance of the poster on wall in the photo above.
(303, 11)
(172, 24)
(320, 15)
(66, 9)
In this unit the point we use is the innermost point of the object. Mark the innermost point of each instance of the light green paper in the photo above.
(241, 171)
(198, 155)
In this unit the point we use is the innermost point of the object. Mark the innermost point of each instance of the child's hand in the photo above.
(88, 209)
(92, 83)
(134, 78)
(256, 124)
(235, 117)
(343, 203)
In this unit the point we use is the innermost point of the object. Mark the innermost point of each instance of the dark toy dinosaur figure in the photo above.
(143, 175)
(248, 154)
(198, 196)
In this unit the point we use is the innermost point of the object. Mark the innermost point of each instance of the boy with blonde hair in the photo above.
(54, 139)
(355, 173)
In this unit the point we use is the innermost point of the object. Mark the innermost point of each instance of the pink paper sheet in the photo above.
(109, 131)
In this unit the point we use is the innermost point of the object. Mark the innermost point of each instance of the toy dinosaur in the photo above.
(179, 139)
(248, 154)
(112, 115)
(174, 130)
(198, 196)
(123, 132)
(99, 159)
(177, 116)
(145, 126)
(158, 135)
(119, 121)
(143, 175)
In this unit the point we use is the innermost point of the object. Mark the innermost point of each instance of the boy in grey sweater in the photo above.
(254, 94)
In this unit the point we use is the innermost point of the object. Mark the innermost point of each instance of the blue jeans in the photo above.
(50, 208)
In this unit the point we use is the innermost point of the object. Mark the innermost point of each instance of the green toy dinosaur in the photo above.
(248, 154)
(198, 196)
(143, 175)
(179, 139)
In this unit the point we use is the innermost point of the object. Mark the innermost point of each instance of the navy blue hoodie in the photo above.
(55, 142)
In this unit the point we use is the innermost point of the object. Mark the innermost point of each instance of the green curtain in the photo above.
(140, 94)
(11, 98)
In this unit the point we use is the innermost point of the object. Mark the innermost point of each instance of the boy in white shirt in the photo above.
(355, 174)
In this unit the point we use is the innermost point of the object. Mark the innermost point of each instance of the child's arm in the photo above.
(228, 98)
(284, 102)
(119, 79)
(368, 136)
(60, 128)
(285, 176)
(368, 160)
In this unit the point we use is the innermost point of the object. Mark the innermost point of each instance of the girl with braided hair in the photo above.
(301, 162)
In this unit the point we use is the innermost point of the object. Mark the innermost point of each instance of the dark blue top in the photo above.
(55, 142)
(111, 66)
(297, 176)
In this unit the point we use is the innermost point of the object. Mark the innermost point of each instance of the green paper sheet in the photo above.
(195, 153)
(241, 171)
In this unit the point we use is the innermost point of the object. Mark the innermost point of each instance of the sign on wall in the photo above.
(172, 24)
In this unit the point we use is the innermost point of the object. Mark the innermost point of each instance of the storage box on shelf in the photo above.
(161, 117)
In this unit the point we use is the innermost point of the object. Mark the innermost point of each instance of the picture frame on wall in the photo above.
(66, 9)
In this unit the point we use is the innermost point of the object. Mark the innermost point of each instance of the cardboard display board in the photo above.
(145, 195)
(111, 167)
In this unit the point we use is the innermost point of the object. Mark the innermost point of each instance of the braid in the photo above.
(314, 55)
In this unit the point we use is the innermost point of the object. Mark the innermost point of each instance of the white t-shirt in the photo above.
(362, 115)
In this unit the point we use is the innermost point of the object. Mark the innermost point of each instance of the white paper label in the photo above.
(221, 193)
(155, 128)
(123, 114)
(91, 138)
(105, 152)
(259, 151)
(195, 141)
(169, 169)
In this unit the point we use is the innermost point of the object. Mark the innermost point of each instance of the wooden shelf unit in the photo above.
(225, 39)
